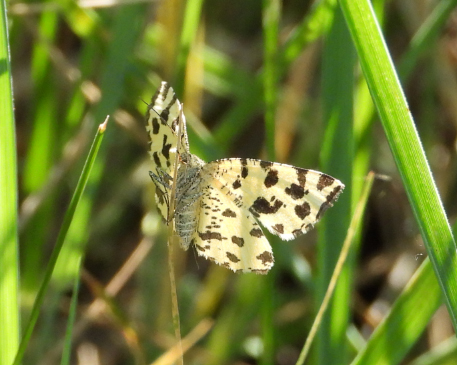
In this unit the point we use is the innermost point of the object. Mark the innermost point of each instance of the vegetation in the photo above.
(344, 87)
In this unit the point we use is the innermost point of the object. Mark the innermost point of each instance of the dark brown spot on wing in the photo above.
(155, 125)
(206, 236)
(166, 147)
(244, 172)
(238, 241)
(244, 169)
(265, 164)
(198, 247)
(265, 257)
(236, 184)
(301, 176)
(232, 257)
(166, 112)
(279, 228)
(295, 191)
(256, 232)
(271, 179)
(324, 181)
(303, 210)
(229, 213)
(162, 92)
(263, 206)
(156, 158)
(329, 201)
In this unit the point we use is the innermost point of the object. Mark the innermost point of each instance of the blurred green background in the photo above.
(265, 79)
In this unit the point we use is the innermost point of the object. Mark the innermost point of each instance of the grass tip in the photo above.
(102, 127)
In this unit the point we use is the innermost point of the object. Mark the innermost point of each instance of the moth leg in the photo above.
(161, 179)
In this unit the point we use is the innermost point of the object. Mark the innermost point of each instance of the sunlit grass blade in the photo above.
(405, 146)
(60, 240)
(9, 256)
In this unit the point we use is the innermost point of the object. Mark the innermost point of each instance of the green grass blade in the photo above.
(425, 37)
(9, 273)
(312, 27)
(42, 144)
(60, 240)
(189, 32)
(400, 329)
(271, 16)
(336, 157)
(72, 315)
(405, 146)
(443, 354)
(111, 86)
(42, 148)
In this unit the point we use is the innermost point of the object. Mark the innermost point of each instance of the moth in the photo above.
(218, 205)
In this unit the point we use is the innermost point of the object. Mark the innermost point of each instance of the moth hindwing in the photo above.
(219, 205)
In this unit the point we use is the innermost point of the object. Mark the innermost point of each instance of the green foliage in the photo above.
(9, 280)
(313, 86)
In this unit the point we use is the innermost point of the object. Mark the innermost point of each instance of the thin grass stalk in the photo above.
(171, 230)
(60, 240)
(354, 227)
(200, 330)
(271, 16)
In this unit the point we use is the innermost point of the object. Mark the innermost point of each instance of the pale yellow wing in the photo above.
(285, 199)
(229, 235)
(162, 120)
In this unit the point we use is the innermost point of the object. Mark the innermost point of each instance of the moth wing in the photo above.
(162, 121)
(287, 200)
(229, 235)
